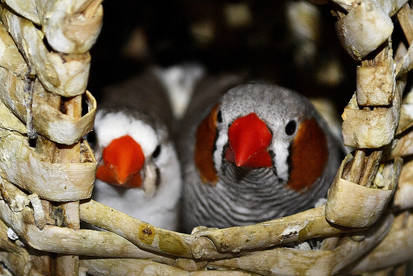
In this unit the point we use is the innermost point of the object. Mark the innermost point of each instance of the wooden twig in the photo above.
(291, 261)
(400, 270)
(329, 243)
(354, 169)
(371, 128)
(48, 120)
(63, 74)
(389, 7)
(14, 211)
(363, 29)
(362, 169)
(143, 234)
(119, 267)
(353, 205)
(405, 16)
(15, 257)
(31, 132)
(210, 243)
(69, 27)
(376, 80)
(383, 272)
(371, 167)
(406, 113)
(403, 199)
(69, 265)
(395, 248)
(40, 174)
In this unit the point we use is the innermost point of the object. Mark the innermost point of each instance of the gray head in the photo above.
(262, 152)
(262, 126)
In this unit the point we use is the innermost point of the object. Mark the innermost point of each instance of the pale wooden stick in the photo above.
(353, 169)
(5, 272)
(406, 113)
(395, 248)
(45, 146)
(69, 26)
(48, 121)
(403, 199)
(292, 261)
(143, 234)
(405, 16)
(210, 243)
(16, 258)
(353, 205)
(119, 267)
(388, 6)
(370, 171)
(383, 272)
(376, 79)
(92, 8)
(329, 243)
(363, 29)
(400, 270)
(69, 265)
(405, 63)
(405, 58)
(14, 211)
(65, 75)
(43, 263)
(365, 128)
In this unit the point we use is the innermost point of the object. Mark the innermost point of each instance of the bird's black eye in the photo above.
(290, 127)
(156, 152)
(219, 117)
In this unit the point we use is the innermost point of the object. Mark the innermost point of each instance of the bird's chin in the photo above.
(240, 172)
(242, 169)
(128, 184)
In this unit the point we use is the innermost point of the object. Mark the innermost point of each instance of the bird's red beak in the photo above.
(249, 138)
(122, 160)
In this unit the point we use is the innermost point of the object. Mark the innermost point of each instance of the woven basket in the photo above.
(48, 170)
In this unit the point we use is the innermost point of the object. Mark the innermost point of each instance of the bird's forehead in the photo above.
(273, 104)
(109, 126)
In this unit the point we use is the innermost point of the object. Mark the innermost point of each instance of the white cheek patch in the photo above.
(221, 141)
(114, 125)
(281, 155)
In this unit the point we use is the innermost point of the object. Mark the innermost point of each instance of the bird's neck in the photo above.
(253, 181)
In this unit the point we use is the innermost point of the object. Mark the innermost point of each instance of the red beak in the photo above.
(122, 160)
(249, 138)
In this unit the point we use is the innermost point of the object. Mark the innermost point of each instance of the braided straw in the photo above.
(45, 188)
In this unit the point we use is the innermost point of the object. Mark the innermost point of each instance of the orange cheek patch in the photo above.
(309, 154)
(204, 147)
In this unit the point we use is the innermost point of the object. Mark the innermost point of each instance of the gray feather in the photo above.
(243, 197)
(144, 93)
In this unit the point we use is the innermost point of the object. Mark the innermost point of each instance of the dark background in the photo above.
(264, 48)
